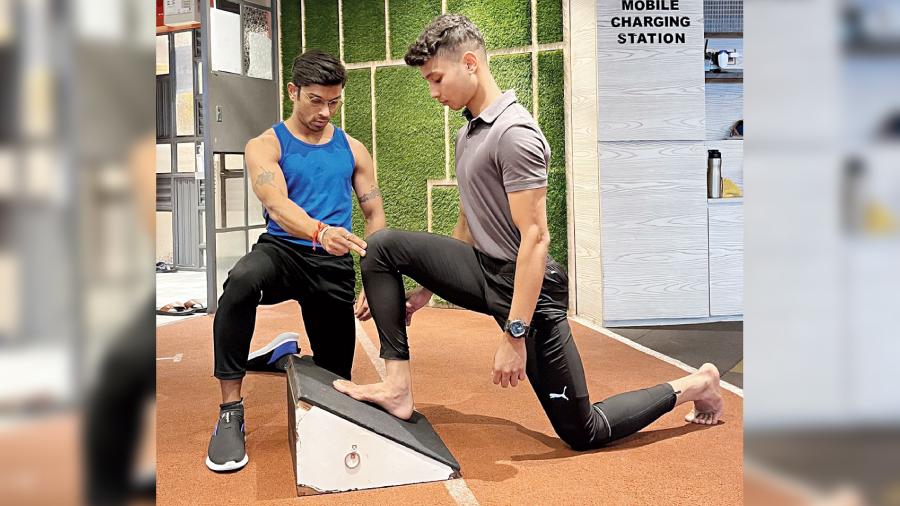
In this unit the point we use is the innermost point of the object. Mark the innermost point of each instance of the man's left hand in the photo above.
(509, 361)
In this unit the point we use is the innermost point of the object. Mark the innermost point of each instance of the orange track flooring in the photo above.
(501, 437)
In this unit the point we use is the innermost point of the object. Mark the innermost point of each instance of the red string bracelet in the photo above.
(315, 239)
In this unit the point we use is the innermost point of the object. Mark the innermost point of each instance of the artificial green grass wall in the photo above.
(549, 21)
(363, 30)
(513, 71)
(551, 102)
(444, 209)
(556, 217)
(322, 26)
(407, 19)
(291, 45)
(503, 23)
(358, 105)
(551, 118)
(410, 133)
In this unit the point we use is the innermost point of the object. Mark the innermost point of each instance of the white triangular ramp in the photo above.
(340, 444)
(335, 455)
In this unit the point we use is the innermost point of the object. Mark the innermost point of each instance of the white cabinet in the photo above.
(726, 257)
(654, 230)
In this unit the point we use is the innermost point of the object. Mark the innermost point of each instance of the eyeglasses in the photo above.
(318, 102)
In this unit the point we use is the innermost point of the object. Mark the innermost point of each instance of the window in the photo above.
(162, 54)
(257, 28)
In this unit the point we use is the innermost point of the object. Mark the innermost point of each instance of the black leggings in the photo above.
(468, 278)
(275, 271)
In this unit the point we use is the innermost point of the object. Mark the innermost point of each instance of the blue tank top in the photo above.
(318, 178)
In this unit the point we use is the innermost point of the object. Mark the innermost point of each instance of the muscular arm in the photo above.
(267, 180)
(366, 187)
(528, 209)
(529, 213)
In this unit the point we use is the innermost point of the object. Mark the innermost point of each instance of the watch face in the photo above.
(517, 328)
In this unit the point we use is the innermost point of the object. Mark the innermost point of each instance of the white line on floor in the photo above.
(460, 492)
(367, 345)
(458, 489)
(176, 358)
(653, 353)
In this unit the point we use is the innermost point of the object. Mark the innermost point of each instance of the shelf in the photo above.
(725, 201)
(732, 76)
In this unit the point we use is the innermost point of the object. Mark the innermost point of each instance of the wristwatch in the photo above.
(516, 328)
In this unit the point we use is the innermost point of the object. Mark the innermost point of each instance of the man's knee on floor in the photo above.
(582, 433)
(577, 438)
(578, 442)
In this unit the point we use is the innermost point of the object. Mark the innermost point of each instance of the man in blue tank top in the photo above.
(304, 171)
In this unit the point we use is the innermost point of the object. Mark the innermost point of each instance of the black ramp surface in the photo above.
(313, 385)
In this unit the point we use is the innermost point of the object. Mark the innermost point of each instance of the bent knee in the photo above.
(578, 443)
(582, 439)
(377, 245)
(241, 283)
(381, 238)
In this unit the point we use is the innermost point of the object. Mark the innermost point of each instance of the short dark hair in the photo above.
(318, 67)
(447, 33)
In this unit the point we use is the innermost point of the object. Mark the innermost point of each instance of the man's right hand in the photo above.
(415, 300)
(339, 241)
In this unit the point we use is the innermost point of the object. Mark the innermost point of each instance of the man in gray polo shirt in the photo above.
(496, 262)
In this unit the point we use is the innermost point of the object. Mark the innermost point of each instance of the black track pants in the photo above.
(275, 271)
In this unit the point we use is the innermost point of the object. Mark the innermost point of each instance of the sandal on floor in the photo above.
(163, 267)
(175, 309)
(196, 305)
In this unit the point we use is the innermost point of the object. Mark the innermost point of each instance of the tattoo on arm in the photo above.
(374, 192)
(266, 177)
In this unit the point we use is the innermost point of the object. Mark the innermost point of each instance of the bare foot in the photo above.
(396, 401)
(709, 404)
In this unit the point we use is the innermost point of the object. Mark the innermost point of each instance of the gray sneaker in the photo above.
(226, 446)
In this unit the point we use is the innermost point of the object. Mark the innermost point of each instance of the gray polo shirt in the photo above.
(501, 151)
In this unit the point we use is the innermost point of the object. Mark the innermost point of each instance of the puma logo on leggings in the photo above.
(560, 396)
